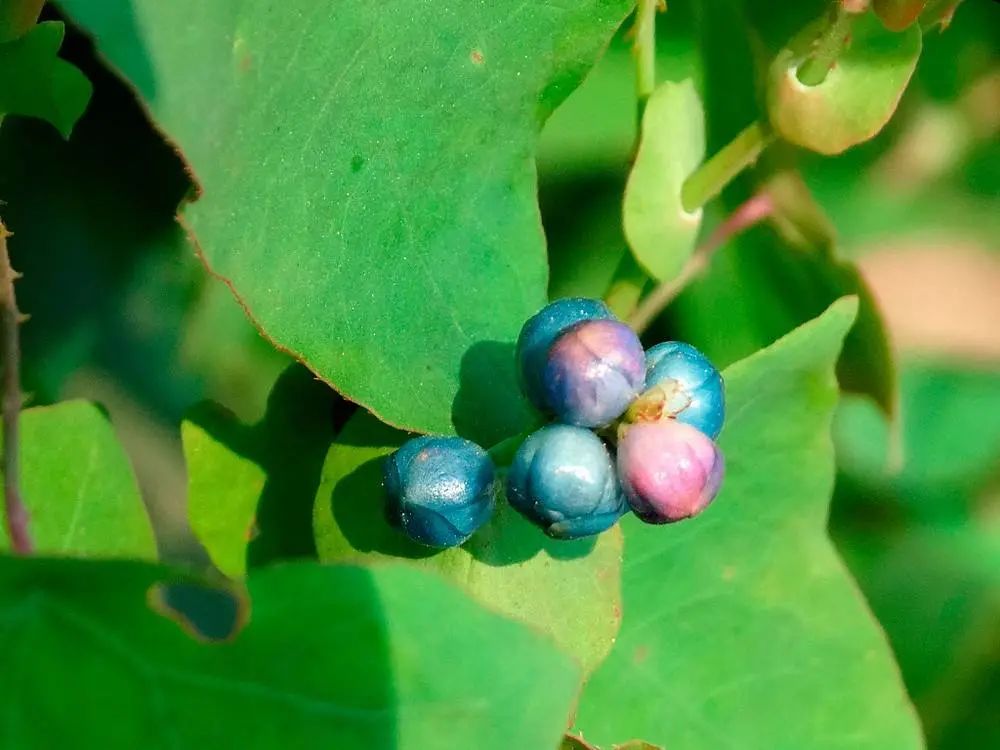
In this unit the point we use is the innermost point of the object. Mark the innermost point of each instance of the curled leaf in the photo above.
(857, 97)
(659, 230)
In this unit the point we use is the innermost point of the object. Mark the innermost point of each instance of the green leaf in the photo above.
(568, 589)
(78, 485)
(367, 172)
(34, 82)
(333, 656)
(223, 491)
(859, 94)
(744, 625)
(660, 232)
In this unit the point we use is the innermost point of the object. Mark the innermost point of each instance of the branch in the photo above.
(10, 354)
(751, 212)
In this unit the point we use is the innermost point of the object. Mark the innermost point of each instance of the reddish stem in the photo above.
(10, 355)
(751, 212)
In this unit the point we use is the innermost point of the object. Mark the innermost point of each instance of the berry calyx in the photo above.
(681, 384)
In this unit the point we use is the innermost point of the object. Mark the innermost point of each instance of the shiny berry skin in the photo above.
(439, 489)
(563, 480)
(594, 370)
(540, 332)
(701, 400)
(669, 470)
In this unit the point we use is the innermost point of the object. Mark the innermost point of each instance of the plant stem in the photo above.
(10, 318)
(828, 47)
(711, 178)
(751, 212)
(644, 49)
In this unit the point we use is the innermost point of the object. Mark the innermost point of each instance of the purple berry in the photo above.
(593, 372)
(669, 470)
(541, 331)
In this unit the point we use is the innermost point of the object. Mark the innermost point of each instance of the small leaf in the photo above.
(333, 656)
(223, 491)
(34, 82)
(660, 232)
(567, 589)
(78, 485)
(751, 629)
(859, 94)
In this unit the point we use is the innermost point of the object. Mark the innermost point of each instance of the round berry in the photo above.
(594, 370)
(669, 470)
(541, 331)
(699, 399)
(439, 489)
(563, 480)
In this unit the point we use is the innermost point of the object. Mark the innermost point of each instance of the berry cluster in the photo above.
(635, 430)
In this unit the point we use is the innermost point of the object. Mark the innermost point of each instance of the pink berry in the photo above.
(669, 470)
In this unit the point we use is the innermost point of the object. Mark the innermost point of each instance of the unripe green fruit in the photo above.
(858, 95)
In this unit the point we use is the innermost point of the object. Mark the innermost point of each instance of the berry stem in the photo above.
(644, 49)
(712, 176)
(10, 318)
(751, 212)
(829, 45)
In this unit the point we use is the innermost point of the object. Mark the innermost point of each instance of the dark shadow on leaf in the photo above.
(290, 444)
(358, 503)
(489, 406)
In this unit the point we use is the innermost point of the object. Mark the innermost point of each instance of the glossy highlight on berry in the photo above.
(439, 490)
(540, 332)
(563, 479)
(593, 372)
(669, 470)
(700, 399)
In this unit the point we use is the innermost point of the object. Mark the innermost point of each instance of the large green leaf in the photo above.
(743, 627)
(568, 589)
(367, 172)
(36, 83)
(78, 485)
(333, 656)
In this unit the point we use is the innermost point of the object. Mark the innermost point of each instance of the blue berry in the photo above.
(697, 394)
(439, 489)
(540, 332)
(669, 471)
(563, 480)
(594, 370)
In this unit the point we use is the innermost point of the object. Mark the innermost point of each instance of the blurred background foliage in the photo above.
(123, 313)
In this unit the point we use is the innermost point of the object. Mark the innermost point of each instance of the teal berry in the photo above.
(692, 388)
(439, 489)
(540, 332)
(593, 371)
(563, 480)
